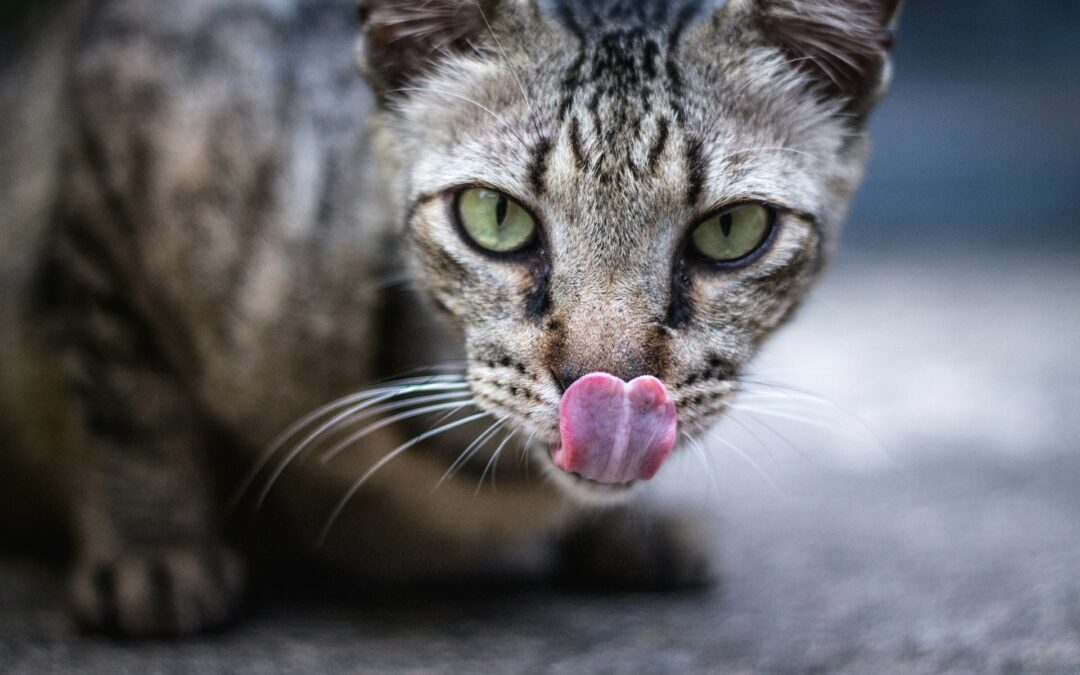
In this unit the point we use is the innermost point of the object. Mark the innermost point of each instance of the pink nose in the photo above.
(615, 431)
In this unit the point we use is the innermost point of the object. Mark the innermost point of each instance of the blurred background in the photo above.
(900, 492)
(979, 141)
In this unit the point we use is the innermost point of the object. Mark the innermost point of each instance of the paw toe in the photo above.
(159, 592)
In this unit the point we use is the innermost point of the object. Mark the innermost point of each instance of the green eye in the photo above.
(734, 234)
(494, 221)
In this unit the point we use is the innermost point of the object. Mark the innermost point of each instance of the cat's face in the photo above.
(634, 190)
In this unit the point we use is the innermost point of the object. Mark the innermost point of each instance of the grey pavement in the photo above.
(919, 514)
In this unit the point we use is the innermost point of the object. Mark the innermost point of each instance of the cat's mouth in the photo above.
(590, 491)
(614, 434)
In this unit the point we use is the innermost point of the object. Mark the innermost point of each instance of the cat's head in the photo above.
(630, 187)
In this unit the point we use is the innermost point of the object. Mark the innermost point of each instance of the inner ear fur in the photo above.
(400, 40)
(843, 46)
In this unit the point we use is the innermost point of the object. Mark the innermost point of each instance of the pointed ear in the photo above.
(842, 45)
(402, 39)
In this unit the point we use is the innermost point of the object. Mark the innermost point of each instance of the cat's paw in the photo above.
(640, 552)
(159, 592)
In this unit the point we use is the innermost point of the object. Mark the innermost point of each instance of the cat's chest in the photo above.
(301, 328)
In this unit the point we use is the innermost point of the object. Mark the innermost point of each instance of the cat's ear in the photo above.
(402, 39)
(843, 46)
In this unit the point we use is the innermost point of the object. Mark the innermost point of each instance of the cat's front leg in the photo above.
(632, 550)
(150, 558)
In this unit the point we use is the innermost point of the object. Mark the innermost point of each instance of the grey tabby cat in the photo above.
(591, 213)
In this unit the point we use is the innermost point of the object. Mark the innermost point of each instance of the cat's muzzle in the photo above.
(615, 432)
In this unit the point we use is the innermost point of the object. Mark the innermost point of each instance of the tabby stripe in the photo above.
(676, 87)
(442, 261)
(570, 85)
(594, 111)
(675, 78)
(79, 241)
(566, 15)
(105, 592)
(576, 145)
(695, 171)
(631, 163)
(652, 53)
(659, 145)
(538, 301)
(680, 309)
(538, 166)
(98, 163)
(686, 15)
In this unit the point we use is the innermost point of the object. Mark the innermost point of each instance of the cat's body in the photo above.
(219, 213)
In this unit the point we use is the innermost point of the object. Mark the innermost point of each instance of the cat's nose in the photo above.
(568, 373)
(607, 339)
(564, 377)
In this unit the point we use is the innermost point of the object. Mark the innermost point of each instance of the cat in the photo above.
(554, 233)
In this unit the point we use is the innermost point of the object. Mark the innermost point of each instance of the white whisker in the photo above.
(490, 465)
(471, 449)
(333, 452)
(391, 282)
(782, 438)
(448, 370)
(402, 386)
(798, 395)
(507, 440)
(776, 388)
(800, 418)
(748, 460)
(389, 457)
(765, 149)
(699, 452)
(388, 393)
(525, 452)
(764, 446)
(506, 59)
(413, 402)
(337, 420)
(501, 120)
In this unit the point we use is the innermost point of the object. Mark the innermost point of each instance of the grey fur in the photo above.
(221, 202)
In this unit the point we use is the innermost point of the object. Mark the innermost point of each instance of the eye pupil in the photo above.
(501, 207)
(725, 224)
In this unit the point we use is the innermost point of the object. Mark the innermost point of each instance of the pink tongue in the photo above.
(614, 431)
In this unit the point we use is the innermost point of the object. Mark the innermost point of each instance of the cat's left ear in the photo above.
(842, 46)
(400, 40)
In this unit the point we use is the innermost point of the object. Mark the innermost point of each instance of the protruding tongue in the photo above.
(614, 431)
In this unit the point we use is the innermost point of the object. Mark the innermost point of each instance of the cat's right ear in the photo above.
(842, 47)
(401, 40)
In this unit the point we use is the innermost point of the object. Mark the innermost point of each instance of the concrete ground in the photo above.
(923, 518)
